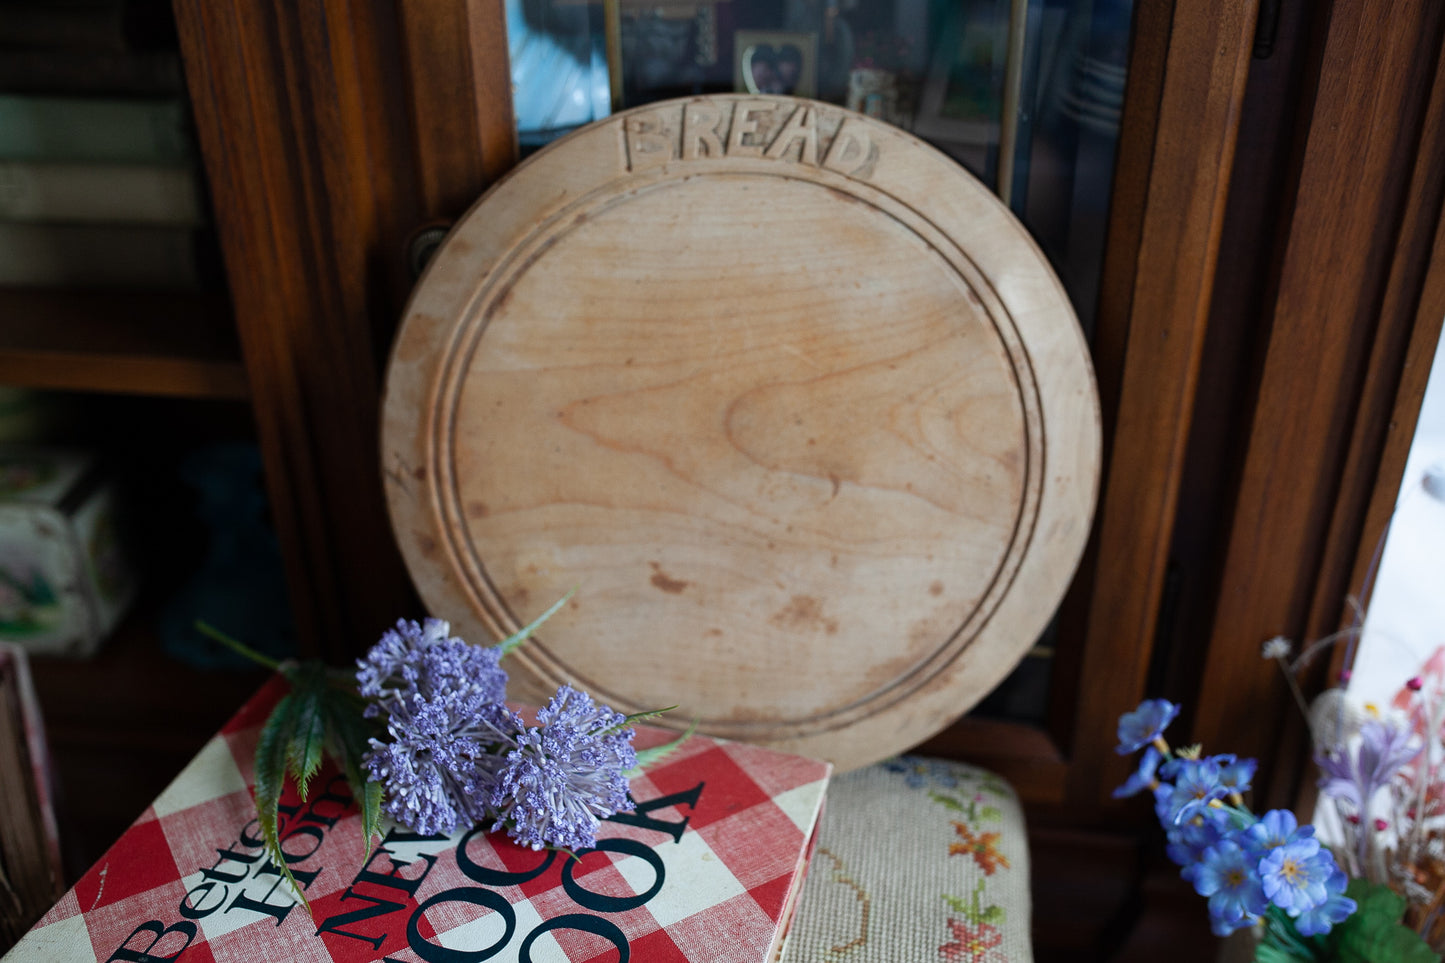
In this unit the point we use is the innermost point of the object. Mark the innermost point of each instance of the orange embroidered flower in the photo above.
(973, 944)
(983, 848)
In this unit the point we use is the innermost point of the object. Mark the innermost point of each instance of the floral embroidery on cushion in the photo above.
(918, 771)
(983, 847)
(973, 943)
(865, 907)
(973, 796)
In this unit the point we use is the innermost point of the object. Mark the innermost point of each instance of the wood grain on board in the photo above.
(789, 399)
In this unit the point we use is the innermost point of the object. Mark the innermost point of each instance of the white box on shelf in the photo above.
(65, 578)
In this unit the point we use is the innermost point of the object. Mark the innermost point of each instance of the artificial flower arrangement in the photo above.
(1383, 779)
(1266, 872)
(422, 732)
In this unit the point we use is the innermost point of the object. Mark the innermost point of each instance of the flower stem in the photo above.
(1286, 936)
(1242, 817)
(1423, 771)
(239, 648)
(1305, 657)
(1299, 697)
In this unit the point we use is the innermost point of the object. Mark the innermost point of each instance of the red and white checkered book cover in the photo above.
(702, 870)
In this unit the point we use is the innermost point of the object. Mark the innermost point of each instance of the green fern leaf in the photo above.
(348, 737)
(304, 749)
(271, 754)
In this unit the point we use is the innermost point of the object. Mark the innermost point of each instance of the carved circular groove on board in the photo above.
(462, 537)
(787, 397)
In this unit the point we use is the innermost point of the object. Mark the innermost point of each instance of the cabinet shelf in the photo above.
(161, 343)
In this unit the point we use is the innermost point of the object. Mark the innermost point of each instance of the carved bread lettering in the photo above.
(787, 130)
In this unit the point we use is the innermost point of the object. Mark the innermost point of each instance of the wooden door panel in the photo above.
(1363, 218)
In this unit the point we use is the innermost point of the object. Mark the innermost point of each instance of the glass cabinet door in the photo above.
(1025, 94)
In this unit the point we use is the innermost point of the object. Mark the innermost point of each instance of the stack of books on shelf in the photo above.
(100, 182)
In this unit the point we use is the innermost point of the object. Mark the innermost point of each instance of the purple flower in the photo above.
(1228, 876)
(442, 763)
(388, 668)
(1384, 748)
(1196, 785)
(1145, 777)
(566, 774)
(1354, 778)
(1294, 875)
(423, 659)
(455, 666)
(1336, 908)
(1144, 724)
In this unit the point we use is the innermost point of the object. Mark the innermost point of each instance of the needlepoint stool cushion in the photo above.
(916, 860)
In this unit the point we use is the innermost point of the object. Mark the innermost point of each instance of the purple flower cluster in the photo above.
(1243, 864)
(566, 774)
(1352, 778)
(426, 660)
(1355, 777)
(456, 755)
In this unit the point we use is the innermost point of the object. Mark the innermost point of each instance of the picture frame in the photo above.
(775, 62)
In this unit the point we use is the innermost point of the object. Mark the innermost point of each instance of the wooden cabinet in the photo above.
(1273, 284)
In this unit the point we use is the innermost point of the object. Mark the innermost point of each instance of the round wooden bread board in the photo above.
(788, 399)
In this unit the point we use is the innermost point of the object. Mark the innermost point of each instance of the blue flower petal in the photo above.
(1144, 724)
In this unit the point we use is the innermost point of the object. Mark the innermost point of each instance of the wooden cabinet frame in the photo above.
(1264, 331)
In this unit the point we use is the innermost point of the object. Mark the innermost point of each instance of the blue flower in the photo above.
(1294, 875)
(1188, 841)
(1196, 785)
(1236, 775)
(1336, 908)
(1230, 879)
(566, 774)
(1145, 777)
(1273, 830)
(1144, 724)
